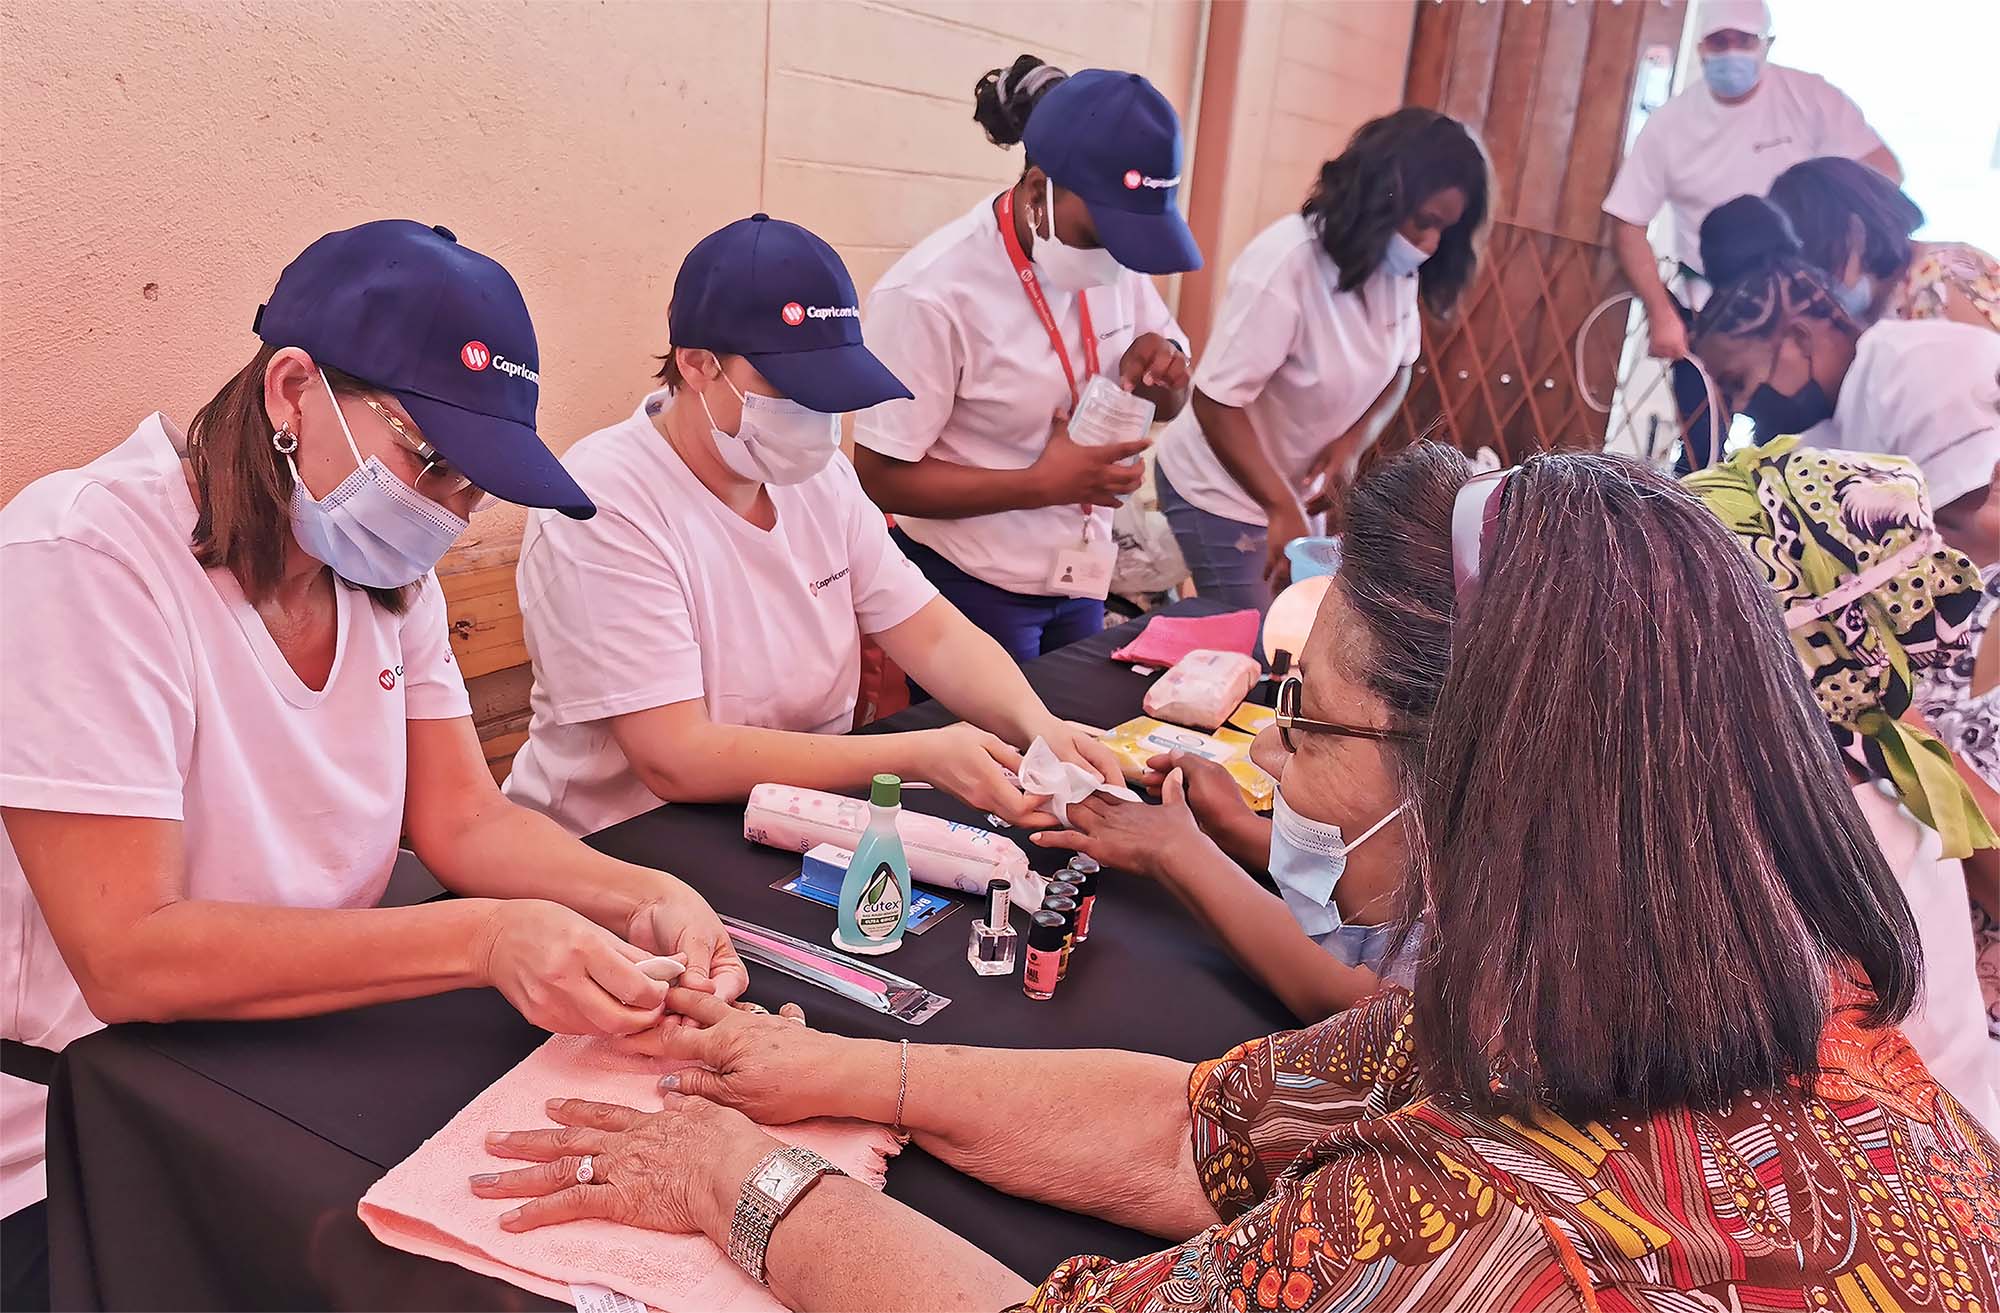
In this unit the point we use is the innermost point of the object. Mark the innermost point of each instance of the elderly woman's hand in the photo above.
(678, 1170)
(772, 1066)
(1132, 836)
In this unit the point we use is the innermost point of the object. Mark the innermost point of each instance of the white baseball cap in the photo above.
(1752, 16)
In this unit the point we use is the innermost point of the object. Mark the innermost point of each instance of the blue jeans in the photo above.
(1025, 624)
(1225, 556)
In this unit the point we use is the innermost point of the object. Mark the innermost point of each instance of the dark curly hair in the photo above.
(1822, 197)
(1392, 165)
(1760, 274)
(1004, 97)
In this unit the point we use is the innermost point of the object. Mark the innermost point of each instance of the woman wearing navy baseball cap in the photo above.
(702, 635)
(998, 321)
(229, 693)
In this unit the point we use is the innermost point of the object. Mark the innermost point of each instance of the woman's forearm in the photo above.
(1261, 934)
(961, 666)
(1101, 1132)
(941, 490)
(1236, 444)
(244, 962)
(696, 760)
(845, 1246)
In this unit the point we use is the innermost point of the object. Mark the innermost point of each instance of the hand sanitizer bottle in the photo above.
(875, 896)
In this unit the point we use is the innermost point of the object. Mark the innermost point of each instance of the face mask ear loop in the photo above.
(1372, 830)
(1715, 452)
(1049, 208)
(703, 399)
(340, 415)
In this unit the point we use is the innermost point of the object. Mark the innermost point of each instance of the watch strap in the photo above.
(757, 1214)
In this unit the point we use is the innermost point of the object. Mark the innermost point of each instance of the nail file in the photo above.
(852, 979)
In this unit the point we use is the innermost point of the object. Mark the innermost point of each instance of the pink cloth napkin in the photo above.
(1168, 638)
(425, 1206)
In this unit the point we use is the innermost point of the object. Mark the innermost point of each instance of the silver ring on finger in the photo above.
(586, 1171)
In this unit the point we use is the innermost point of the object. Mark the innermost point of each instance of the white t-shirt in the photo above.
(668, 595)
(1928, 389)
(1300, 357)
(1696, 152)
(139, 684)
(1948, 1026)
(950, 319)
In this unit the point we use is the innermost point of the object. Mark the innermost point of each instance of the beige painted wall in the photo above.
(159, 164)
(1306, 75)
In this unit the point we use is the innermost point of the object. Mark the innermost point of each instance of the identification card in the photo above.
(1084, 570)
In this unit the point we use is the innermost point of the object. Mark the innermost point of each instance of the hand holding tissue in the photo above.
(1043, 773)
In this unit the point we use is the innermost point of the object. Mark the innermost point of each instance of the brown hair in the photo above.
(670, 370)
(1636, 854)
(243, 486)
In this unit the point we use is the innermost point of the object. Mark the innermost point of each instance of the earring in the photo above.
(284, 441)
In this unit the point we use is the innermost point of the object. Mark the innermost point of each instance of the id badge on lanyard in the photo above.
(1083, 570)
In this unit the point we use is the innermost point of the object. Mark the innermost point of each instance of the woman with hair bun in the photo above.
(998, 321)
(1313, 346)
(1783, 350)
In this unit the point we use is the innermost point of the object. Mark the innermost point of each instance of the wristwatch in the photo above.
(778, 1182)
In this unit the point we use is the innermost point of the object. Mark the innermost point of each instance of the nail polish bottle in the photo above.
(1046, 936)
(1082, 872)
(1066, 909)
(994, 942)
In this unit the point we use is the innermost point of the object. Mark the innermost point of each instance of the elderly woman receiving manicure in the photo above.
(1653, 1019)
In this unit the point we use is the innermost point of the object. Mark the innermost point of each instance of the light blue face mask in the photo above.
(1855, 297)
(1732, 74)
(373, 530)
(1403, 256)
(1308, 858)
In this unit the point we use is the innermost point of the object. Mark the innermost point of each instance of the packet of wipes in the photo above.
(1202, 688)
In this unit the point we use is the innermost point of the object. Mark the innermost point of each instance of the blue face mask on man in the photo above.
(1308, 858)
(1733, 73)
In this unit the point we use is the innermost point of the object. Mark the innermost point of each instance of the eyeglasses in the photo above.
(438, 480)
(1291, 695)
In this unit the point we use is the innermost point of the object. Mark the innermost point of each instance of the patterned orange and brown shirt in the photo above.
(1342, 1184)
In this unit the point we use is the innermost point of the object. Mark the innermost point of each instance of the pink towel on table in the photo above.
(1168, 638)
(424, 1205)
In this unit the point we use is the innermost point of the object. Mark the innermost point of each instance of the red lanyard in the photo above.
(1033, 288)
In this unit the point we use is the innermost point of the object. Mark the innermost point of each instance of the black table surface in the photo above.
(218, 1165)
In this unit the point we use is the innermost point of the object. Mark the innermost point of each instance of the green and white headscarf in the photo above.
(1873, 598)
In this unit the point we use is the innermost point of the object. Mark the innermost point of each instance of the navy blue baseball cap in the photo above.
(778, 296)
(1113, 139)
(403, 307)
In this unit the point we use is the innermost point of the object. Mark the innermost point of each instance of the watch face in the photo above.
(777, 1177)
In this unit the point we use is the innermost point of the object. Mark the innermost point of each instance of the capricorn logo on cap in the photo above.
(793, 313)
(1132, 179)
(475, 355)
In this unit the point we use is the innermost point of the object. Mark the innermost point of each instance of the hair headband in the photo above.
(1475, 517)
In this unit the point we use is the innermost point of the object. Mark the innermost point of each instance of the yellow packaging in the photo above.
(1142, 738)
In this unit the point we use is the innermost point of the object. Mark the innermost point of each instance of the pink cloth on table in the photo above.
(1168, 638)
(424, 1205)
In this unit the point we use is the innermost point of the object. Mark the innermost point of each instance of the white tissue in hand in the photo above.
(1043, 772)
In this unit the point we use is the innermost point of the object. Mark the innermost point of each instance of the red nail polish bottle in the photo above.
(1047, 933)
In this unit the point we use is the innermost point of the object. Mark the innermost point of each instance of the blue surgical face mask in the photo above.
(1855, 297)
(1732, 74)
(1403, 256)
(373, 530)
(1308, 858)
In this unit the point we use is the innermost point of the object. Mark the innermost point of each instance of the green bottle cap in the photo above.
(887, 791)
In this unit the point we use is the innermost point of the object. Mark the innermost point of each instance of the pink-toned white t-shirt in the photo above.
(668, 596)
(133, 682)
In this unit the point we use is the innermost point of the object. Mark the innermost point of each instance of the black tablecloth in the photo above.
(217, 1165)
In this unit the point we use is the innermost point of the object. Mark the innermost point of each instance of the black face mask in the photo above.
(1777, 415)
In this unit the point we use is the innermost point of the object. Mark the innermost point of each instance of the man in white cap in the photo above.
(1729, 134)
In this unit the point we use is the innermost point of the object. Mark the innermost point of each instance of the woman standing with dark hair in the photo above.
(1313, 345)
(998, 321)
(229, 695)
(1650, 1058)
(1857, 225)
(1782, 349)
